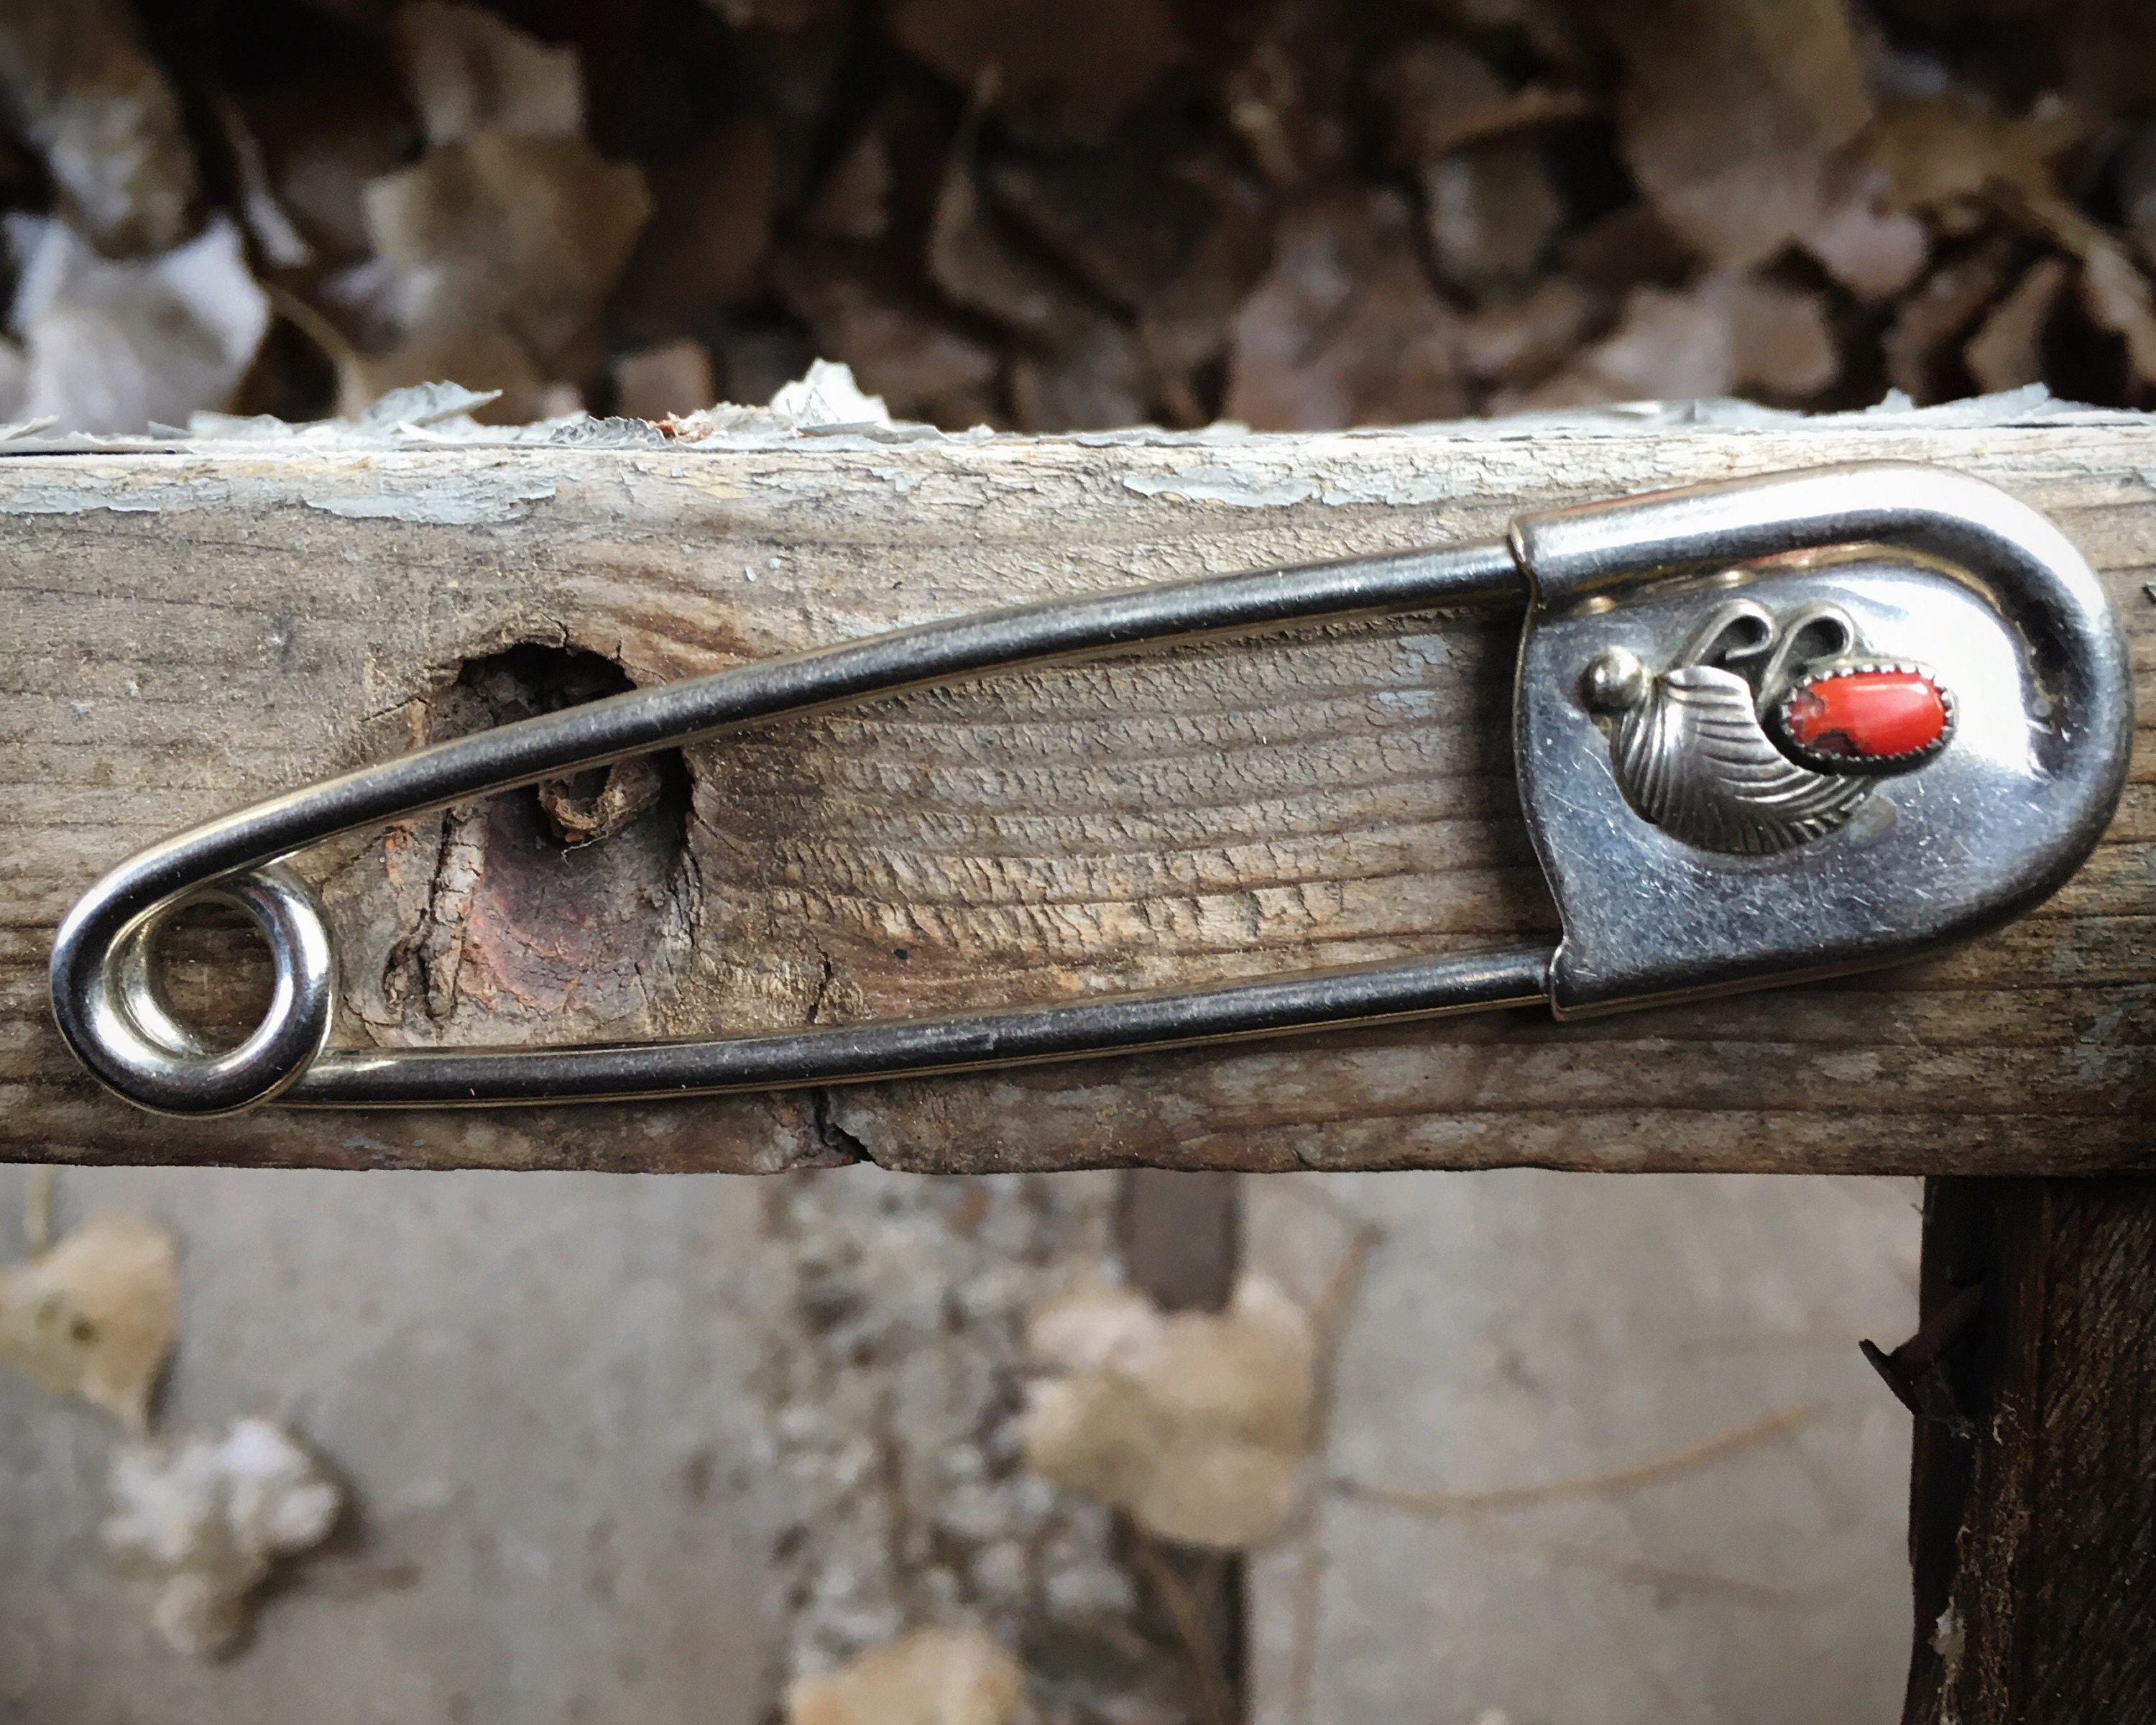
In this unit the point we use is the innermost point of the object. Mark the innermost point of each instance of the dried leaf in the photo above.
(1345, 329)
(2008, 351)
(1186, 324)
(80, 88)
(324, 138)
(1085, 370)
(1732, 112)
(530, 231)
(1288, 98)
(1429, 88)
(1944, 155)
(114, 346)
(2136, 173)
(1072, 222)
(902, 349)
(1444, 97)
(1492, 211)
(1491, 205)
(1779, 339)
(1935, 318)
(658, 382)
(1119, 217)
(1871, 248)
(1520, 341)
(204, 1520)
(933, 1676)
(1729, 333)
(468, 72)
(493, 255)
(1104, 382)
(1193, 1422)
(95, 1314)
(2116, 295)
(1063, 68)
(853, 200)
(283, 246)
(711, 225)
(976, 266)
(2114, 291)
(1631, 247)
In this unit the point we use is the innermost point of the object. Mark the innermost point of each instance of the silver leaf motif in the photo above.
(1693, 758)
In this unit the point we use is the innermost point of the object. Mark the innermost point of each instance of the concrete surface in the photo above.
(533, 1383)
(637, 1449)
(623, 1448)
(1521, 1327)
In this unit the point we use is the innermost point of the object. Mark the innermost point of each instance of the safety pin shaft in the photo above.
(107, 1005)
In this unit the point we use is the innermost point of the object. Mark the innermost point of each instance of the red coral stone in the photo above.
(1868, 716)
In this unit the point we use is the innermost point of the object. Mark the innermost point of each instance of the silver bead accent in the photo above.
(1616, 680)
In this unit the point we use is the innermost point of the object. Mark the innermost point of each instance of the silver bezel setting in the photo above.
(1873, 766)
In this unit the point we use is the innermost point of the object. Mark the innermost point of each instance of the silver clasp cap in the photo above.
(1694, 666)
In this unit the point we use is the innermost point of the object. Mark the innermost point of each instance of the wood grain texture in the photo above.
(188, 631)
(2034, 1498)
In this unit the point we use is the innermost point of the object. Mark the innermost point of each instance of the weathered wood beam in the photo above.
(189, 630)
(2032, 1505)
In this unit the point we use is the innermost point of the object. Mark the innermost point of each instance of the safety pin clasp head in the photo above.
(1796, 726)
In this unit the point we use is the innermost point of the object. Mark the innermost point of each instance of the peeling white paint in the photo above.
(136, 498)
(463, 501)
(434, 416)
(1239, 488)
(1400, 490)
(1260, 483)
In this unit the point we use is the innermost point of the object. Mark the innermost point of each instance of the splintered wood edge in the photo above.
(193, 629)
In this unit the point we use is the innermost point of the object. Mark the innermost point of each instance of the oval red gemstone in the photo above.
(1868, 716)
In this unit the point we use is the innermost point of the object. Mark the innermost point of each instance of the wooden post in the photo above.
(191, 630)
(1180, 1237)
(2033, 1494)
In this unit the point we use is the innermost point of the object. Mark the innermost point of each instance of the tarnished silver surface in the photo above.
(1694, 759)
(1690, 751)
(1689, 850)
(138, 1052)
(1928, 566)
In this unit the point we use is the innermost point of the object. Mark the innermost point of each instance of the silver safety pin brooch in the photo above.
(1765, 731)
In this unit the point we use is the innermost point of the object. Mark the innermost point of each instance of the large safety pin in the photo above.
(1709, 795)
